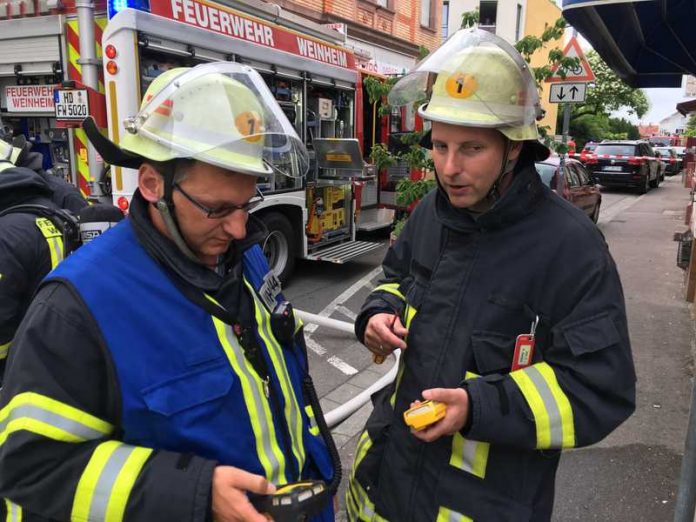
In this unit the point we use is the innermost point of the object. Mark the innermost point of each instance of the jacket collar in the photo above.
(167, 254)
(518, 200)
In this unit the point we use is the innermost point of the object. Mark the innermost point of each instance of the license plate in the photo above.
(613, 169)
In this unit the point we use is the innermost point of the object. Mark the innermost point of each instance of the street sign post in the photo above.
(582, 72)
(567, 92)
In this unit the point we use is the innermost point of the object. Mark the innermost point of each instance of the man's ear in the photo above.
(515, 150)
(150, 183)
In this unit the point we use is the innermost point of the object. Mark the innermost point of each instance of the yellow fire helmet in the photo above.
(220, 113)
(6, 151)
(475, 79)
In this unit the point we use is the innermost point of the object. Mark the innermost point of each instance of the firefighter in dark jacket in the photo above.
(152, 378)
(35, 235)
(507, 306)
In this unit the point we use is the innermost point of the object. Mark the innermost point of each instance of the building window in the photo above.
(382, 3)
(426, 10)
(488, 12)
(518, 23)
(445, 20)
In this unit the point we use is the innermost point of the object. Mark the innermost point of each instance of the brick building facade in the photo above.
(385, 34)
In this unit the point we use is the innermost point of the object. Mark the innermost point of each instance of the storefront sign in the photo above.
(29, 98)
(226, 21)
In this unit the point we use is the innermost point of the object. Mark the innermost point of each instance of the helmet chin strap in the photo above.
(166, 210)
(506, 168)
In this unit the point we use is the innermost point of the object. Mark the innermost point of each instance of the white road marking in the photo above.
(350, 314)
(617, 208)
(344, 296)
(314, 346)
(341, 365)
(338, 305)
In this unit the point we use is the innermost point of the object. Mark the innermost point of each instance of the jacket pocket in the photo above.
(189, 390)
(591, 335)
(471, 498)
(492, 351)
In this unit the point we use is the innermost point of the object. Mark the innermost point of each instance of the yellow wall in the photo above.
(540, 14)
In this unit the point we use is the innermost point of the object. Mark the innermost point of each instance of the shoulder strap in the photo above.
(62, 219)
(260, 276)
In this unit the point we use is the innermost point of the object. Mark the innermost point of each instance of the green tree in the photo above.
(609, 93)
(691, 126)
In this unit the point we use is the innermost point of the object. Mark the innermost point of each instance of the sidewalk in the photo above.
(634, 473)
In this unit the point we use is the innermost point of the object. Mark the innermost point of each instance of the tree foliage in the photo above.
(609, 93)
(691, 126)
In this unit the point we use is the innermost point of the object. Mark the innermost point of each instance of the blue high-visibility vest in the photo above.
(185, 383)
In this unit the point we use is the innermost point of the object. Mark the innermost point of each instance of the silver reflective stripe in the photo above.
(107, 478)
(555, 421)
(56, 244)
(469, 455)
(14, 512)
(292, 408)
(53, 419)
(241, 363)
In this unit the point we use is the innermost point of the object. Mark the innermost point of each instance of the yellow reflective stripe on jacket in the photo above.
(54, 238)
(410, 314)
(270, 456)
(313, 426)
(550, 406)
(358, 504)
(448, 515)
(4, 350)
(392, 288)
(50, 418)
(293, 413)
(14, 512)
(470, 455)
(107, 481)
(397, 381)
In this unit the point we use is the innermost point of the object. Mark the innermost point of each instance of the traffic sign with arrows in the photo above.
(567, 92)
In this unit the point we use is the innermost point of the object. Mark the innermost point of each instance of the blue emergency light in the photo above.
(115, 6)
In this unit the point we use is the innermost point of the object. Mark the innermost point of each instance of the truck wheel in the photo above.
(279, 245)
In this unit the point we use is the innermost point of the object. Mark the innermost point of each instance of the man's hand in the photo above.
(457, 402)
(230, 502)
(384, 334)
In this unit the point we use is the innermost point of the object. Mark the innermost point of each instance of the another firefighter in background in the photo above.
(151, 379)
(35, 235)
(489, 256)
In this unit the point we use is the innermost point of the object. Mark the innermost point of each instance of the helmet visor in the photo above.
(475, 78)
(225, 115)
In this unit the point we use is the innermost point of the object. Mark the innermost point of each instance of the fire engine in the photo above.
(314, 78)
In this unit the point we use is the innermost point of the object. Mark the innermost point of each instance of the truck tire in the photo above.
(279, 245)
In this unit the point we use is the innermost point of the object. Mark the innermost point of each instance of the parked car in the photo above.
(661, 164)
(630, 164)
(672, 162)
(578, 186)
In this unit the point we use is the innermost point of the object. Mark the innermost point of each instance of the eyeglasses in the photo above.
(224, 210)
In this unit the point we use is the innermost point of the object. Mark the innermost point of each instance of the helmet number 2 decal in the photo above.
(249, 125)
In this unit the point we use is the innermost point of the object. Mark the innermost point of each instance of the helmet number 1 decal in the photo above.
(249, 124)
(460, 85)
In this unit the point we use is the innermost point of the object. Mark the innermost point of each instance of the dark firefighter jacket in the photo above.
(466, 289)
(106, 427)
(30, 246)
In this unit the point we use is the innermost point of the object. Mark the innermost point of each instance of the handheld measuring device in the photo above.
(425, 414)
(295, 502)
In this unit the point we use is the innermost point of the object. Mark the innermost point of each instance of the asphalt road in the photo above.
(633, 474)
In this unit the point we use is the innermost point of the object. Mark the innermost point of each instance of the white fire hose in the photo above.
(336, 416)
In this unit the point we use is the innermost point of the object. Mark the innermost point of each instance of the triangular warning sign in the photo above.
(582, 73)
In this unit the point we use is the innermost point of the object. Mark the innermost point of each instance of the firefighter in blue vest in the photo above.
(158, 374)
(506, 303)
